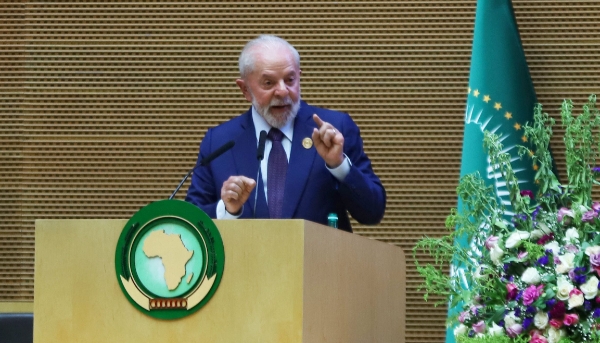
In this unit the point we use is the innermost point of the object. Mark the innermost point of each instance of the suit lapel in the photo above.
(244, 152)
(301, 161)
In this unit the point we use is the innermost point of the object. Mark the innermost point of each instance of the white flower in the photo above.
(540, 320)
(461, 330)
(566, 263)
(496, 254)
(590, 288)
(564, 288)
(495, 330)
(575, 299)
(594, 250)
(540, 231)
(510, 319)
(571, 236)
(554, 335)
(553, 246)
(515, 238)
(531, 276)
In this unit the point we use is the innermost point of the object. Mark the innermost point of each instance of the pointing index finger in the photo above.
(317, 120)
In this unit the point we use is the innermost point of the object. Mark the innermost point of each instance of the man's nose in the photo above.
(281, 90)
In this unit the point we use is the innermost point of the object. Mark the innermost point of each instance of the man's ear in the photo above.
(244, 88)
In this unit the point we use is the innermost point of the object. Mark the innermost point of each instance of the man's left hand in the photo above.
(329, 143)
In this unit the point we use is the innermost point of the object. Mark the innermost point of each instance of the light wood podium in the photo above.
(284, 281)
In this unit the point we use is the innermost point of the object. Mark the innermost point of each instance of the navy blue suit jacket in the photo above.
(311, 191)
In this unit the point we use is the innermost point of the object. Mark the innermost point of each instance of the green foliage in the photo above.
(501, 162)
(482, 282)
(539, 134)
(581, 148)
(534, 251)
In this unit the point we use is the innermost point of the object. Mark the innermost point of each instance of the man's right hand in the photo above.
(235, 192)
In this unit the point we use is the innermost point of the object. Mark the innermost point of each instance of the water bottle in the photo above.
(332, 220)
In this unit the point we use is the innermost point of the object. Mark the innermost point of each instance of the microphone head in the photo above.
(227, 145)
(260, 152)
(222, 149)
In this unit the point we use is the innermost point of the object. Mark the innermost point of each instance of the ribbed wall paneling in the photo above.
(104, 103)
(16, 237)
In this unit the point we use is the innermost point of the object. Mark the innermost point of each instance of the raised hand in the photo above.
(329, 142)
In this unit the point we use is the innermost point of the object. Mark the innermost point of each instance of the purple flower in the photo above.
(531, 293)
(589, 216)
(596, 313)
(542, 261)
(587, 305)
(520, 217)
(514, 330)
(535, 213)
(491, 241)
(479, 327)
(527, 193)
(464, 316)
(475, 309)
(550, 303)
(564, 212)
(521, 255)
(557, 311)
(511, 291)
(527, 322)
(595, 260)
(596, 169)
(596, 206)
(545, 239)
(572, 248)
(572, 274)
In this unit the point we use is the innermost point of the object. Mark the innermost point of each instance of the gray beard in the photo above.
(277, 122)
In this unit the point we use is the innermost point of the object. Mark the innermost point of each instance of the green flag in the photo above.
(500, 99)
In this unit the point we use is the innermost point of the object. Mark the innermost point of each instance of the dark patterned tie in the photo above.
(276, 172)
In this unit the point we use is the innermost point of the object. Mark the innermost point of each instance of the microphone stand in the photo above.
(181, 183)
(260, 155)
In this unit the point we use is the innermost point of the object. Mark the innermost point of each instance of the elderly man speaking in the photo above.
(313, 164)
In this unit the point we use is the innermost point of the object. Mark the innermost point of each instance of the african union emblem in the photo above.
(169, 259)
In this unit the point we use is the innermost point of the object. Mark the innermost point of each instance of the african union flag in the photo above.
(500, 99)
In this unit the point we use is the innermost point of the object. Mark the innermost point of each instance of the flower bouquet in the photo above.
(530, 274)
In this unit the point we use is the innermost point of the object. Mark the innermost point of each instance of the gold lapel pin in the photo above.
(307, 143)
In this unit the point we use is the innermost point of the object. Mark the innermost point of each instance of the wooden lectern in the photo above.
(284, 281)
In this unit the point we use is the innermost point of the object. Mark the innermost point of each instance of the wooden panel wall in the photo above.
(104, 103)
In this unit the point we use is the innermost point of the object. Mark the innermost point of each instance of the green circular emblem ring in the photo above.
(169, 259)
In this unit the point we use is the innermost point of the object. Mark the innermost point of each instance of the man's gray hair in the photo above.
(265, 42)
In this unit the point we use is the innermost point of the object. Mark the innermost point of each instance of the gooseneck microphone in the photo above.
(260, 154)
(205, 161)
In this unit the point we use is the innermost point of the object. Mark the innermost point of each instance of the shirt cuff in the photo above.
(340, 172)
(222, 212)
